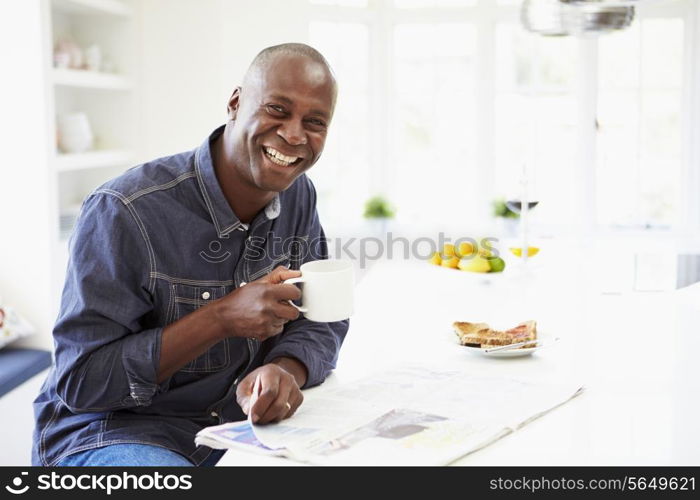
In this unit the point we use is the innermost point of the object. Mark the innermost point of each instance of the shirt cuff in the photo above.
(141, 357)
(317, 370)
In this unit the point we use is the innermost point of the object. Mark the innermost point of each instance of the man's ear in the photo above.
(233, 102)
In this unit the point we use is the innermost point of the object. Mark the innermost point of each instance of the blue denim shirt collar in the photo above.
(223, 217)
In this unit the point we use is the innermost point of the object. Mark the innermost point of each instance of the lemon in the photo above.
(436, 259)
(485, 252)
(518, 252)
(448, 250)
(447, 261)
(475, 264)
(465, 249)
(497, 264)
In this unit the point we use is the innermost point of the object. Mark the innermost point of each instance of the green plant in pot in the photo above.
(506, 217)
(378, 210)
(500, 209)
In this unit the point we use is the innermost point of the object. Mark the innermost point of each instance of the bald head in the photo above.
(268, 58)
(299, 49)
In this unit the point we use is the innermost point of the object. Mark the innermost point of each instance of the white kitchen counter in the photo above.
(634, 352)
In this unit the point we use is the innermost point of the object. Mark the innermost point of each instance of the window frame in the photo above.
(381, 17)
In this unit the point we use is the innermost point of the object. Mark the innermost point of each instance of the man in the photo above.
(158, 334)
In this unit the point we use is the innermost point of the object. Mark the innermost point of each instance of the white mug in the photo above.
(327, 294)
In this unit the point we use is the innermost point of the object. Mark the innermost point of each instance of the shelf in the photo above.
(90, 80)
(92, 159)
(95, 7)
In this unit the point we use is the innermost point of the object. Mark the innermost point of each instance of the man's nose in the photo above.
(293, 133)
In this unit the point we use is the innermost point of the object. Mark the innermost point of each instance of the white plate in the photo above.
(509, 353)
(506, 353)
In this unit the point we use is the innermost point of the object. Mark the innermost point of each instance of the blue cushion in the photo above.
(18, 365)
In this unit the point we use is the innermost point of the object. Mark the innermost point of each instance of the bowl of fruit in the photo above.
(470, 257)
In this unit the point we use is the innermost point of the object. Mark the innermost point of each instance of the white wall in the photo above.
(194, 54)
(26, 200)
(18, 422)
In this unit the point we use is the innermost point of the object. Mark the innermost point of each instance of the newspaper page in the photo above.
(408, 416)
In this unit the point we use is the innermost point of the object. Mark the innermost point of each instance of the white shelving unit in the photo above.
(46, 185)
(93, 160)
(107, 98)
(90, 80)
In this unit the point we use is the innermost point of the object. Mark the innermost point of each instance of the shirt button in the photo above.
(214, 414)
(206, 295)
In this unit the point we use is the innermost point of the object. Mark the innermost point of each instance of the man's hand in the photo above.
(259, 309)
(279, 395)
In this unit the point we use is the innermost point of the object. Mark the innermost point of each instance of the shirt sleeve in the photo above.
(105, 359)
(314, 344)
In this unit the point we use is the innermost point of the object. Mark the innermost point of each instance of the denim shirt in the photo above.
(150, 247)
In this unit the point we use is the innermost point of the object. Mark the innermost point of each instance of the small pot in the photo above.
(74, 133)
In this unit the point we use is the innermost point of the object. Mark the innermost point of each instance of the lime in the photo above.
(497, 264)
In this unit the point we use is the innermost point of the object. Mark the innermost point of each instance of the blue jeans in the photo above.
(127, 455)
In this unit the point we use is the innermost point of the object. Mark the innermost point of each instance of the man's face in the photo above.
(281, 117)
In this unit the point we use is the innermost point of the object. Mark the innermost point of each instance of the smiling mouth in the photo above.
(280, 159)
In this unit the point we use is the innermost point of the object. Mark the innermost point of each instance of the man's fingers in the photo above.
(295, 401)
(245, 404)
(244, 391)
(285, 292)
(278, 395)
(269, 391)
(285, 311)
(279, 408)
(280, 274)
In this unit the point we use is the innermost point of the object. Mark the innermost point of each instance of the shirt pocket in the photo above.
(258, 269)
(187, 298)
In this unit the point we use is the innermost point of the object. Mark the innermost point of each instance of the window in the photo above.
(639, 125)
(535, 118)
(434, 128)
(343, 172)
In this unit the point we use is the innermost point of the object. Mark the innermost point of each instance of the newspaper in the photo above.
(411, 415)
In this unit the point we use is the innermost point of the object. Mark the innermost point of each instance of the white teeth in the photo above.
(278, 158)
(278, 162)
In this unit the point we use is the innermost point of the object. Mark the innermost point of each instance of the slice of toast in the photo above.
(469, 333)
(481, 335)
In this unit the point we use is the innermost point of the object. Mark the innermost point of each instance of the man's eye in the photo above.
(317, 123)
(276, 109)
